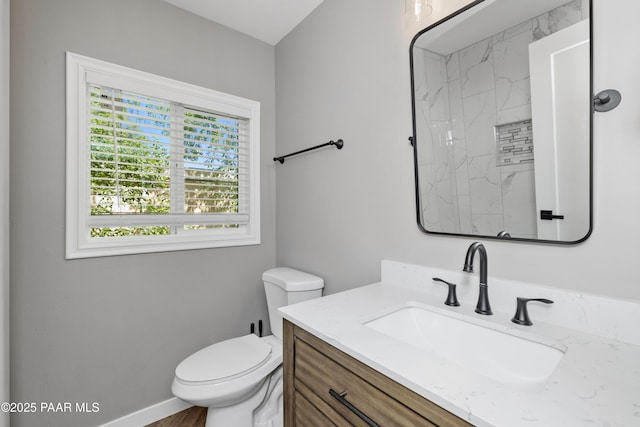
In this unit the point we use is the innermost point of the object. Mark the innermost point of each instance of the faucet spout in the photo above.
(468, 260)
(483, 306)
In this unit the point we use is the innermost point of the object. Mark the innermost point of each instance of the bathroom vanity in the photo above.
(324, 386)
(405, 358)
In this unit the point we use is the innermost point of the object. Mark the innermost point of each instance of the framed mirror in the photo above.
(502, 105)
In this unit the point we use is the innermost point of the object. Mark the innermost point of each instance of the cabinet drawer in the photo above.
(320, 374)
(309, 416)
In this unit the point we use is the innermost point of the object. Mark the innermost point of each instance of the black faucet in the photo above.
(483, 306)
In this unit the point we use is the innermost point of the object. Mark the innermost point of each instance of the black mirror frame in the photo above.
(413, 140)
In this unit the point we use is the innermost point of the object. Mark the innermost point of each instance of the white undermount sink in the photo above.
(515, 358)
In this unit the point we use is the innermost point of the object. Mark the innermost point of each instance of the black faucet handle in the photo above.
(522, 313)
(452, 298)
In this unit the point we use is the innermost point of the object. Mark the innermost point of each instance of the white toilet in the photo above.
(240, 379)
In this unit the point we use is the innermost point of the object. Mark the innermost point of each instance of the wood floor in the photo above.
(192, 417)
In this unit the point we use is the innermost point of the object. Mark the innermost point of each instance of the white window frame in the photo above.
(81, 71)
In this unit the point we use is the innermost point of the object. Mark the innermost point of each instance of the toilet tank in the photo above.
(286, 286)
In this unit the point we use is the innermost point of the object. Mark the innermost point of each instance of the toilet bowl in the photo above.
(240, 380)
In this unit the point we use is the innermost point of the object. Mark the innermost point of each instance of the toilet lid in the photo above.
(224, 360)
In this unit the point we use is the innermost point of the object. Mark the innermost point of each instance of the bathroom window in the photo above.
(154, 164)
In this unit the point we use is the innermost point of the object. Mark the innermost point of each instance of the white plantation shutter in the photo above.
(216, 163)
(130, 149)
(164, 164)
(161, 165)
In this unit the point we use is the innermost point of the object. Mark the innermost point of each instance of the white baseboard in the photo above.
(151, 414)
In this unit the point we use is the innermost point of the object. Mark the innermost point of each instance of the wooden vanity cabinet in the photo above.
(324, 386)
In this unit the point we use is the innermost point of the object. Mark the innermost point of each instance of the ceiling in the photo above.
(266, 20)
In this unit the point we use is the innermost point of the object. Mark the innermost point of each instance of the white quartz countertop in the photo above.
(596, 383)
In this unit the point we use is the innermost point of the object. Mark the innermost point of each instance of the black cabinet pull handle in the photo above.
(340, 398)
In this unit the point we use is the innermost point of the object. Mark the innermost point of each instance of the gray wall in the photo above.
(344, 73)
(4, 211)
(112, 330)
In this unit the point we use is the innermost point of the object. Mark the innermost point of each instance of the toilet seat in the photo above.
(231, 390)
(224, 361)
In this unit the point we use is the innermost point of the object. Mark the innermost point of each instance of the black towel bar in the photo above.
(339, 144)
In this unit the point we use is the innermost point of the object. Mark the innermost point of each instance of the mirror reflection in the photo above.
(502, 121)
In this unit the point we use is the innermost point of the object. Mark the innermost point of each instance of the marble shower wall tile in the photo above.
(429, 198)
(479, 116)
(437, 92)
(557, 19)
(487, 224)
(523, 27)
(447, 206)
(462, 185)
(456, 109)
(423, 129)
(464, 209)
(430, 107)
(484, 185)
(476, 68)
(511, 63)
(462, 172)
(423, 119)
(435, 155)
(420, 77)
(444, 164)
(514, 114)
(453, 66)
